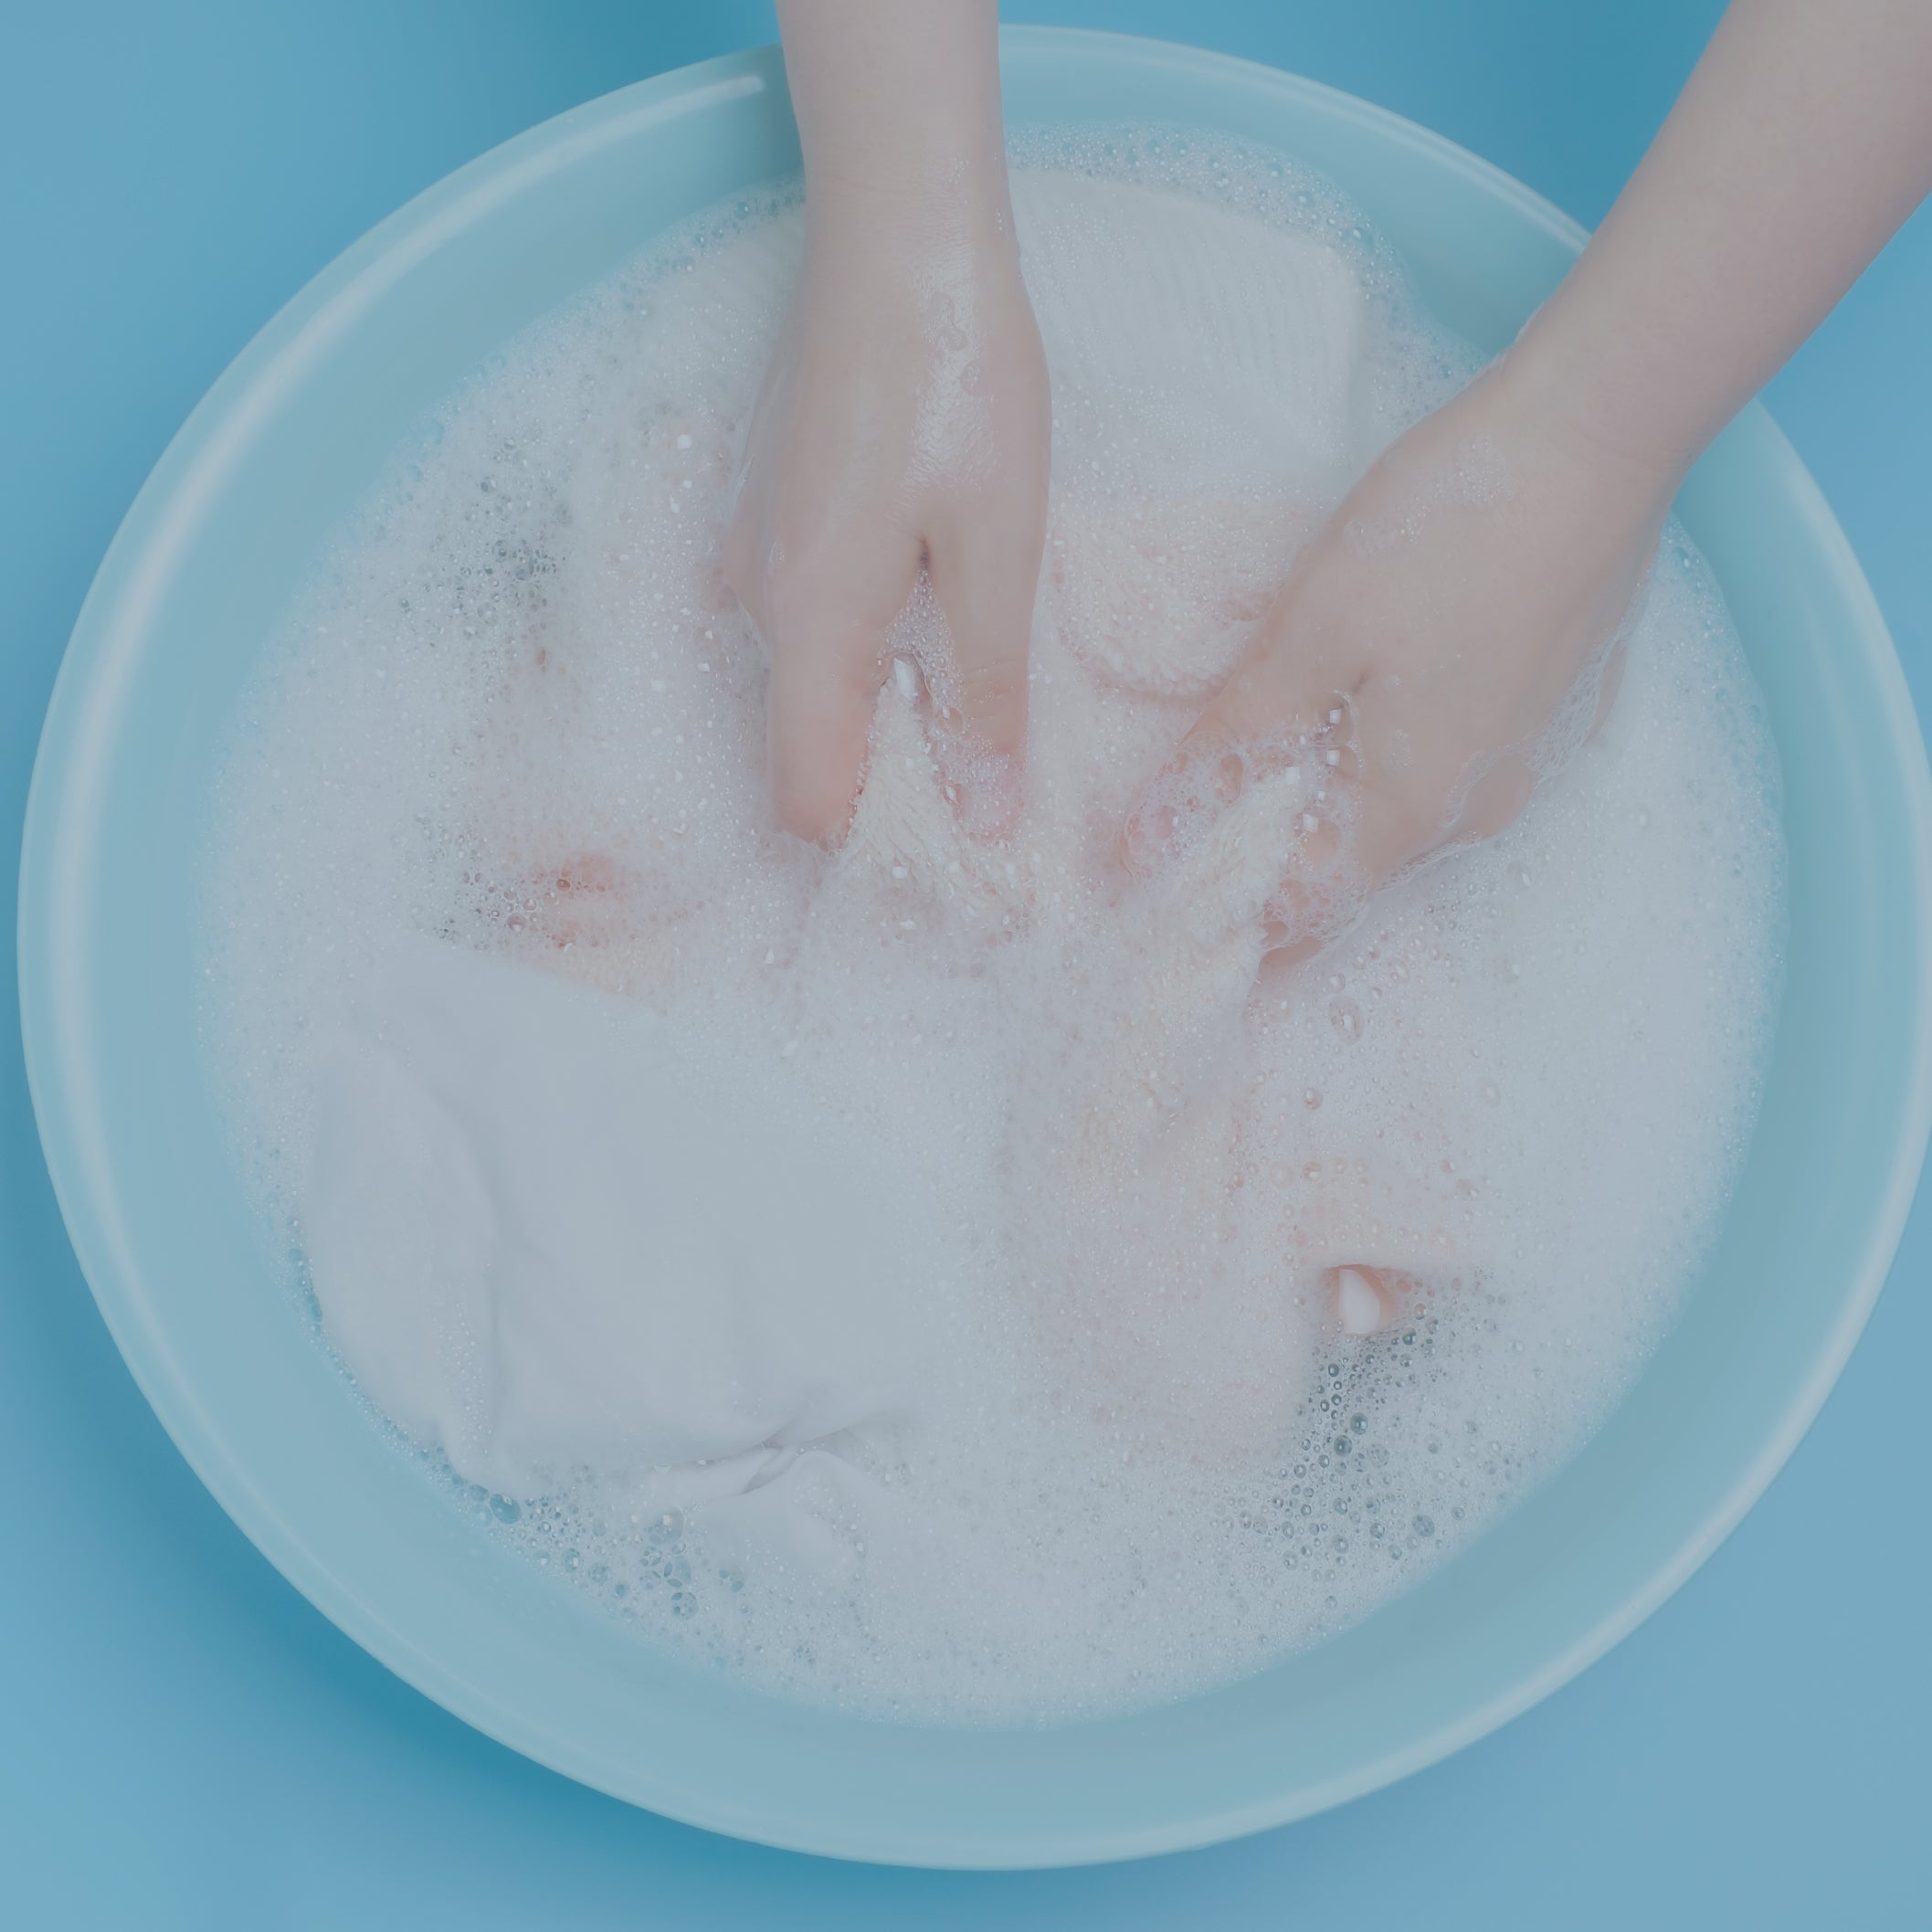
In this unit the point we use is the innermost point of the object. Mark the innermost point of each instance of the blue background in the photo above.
(185, 1742)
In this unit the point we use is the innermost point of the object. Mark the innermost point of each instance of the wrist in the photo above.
(954, 190)
(1580, 399)
(899, 113)
(903, 223)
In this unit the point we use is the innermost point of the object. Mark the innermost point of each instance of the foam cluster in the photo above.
(947, 1276)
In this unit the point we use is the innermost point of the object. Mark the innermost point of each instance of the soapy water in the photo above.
(945, 1277)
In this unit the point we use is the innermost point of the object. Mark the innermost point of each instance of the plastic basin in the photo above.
(206, 561)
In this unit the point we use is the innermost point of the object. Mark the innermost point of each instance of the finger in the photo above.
(743, 577)
(1288, 733)
(1217, 763)
(985, 572)
(819, 714)
(1288, 720)
(1498, 799)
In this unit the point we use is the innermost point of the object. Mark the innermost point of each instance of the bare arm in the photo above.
(898, 100)
(1443, 645)
(904, 422)
(1800, 143)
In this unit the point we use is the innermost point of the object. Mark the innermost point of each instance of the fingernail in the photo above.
(1357, 1302)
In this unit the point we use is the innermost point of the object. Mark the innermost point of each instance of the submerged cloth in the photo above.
(549, 1240)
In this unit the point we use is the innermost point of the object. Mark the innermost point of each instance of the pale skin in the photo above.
(1451, 625)
(1473, 578)
(1454, 626)
(905, 423)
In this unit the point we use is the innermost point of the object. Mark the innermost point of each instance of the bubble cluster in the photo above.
(1260, 1290)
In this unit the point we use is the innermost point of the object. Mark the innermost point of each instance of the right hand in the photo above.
(905, 424)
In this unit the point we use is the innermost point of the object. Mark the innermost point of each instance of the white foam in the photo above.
(939, 1277)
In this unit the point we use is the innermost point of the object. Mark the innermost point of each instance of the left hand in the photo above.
(1441, 644)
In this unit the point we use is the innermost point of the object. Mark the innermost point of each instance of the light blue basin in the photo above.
(282, 448)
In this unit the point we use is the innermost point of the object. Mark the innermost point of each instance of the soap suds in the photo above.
(943, 1277)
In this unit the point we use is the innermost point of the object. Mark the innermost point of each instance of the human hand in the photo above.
(1454, 616)
(1444, 642)
(904, 426)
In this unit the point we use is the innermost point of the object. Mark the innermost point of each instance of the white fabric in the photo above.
(547, 1239)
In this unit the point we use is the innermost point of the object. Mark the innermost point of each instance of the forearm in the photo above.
(1801, 143)
(898, 107)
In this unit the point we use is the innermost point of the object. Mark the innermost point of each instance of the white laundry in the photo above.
(551, 1242)
(944, 1276)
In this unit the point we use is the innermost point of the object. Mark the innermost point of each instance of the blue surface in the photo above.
(228, 525)
(182, 1741)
